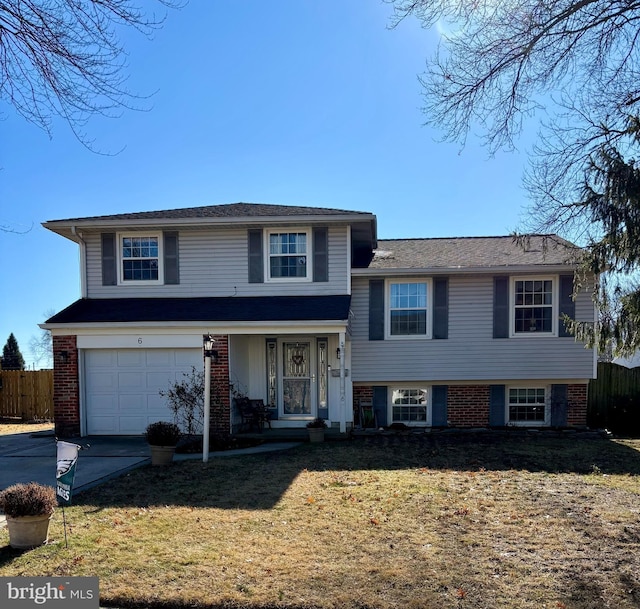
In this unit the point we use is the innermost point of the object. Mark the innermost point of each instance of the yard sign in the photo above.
(66, 470)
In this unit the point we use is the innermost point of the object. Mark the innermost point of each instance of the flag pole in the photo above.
(64, 522)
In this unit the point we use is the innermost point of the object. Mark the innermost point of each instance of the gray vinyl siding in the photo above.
(215, 263)
(470, 353)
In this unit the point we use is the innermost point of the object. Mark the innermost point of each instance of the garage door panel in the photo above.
(122, 387)
(106, 358)
(186, 359)
(131, 424)
(131, 357)
(159, 358)
(102, 425)
(102, 380)
(160, 381)
(132, 401)
(104, 404)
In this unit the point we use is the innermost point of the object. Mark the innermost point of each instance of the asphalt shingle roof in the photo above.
(471, 252)
(228, 309)
(230, 210)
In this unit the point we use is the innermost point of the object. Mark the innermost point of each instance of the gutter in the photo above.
(83, 261)
(464, 270)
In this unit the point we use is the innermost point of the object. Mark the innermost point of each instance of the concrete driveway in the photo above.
(30, 457)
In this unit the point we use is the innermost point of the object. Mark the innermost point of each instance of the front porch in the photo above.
(292, 434)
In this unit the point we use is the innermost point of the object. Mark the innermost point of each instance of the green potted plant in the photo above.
(162, 437)
(28, 508)
(316, 429)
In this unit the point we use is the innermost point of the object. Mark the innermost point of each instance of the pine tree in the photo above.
(11, 357)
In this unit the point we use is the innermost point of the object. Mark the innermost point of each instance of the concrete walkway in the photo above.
(31, 457)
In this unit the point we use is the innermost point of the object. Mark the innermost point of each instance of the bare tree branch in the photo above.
(63, 58)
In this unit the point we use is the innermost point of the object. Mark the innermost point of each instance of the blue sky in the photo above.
(293, 102)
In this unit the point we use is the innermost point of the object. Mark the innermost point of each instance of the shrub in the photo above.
(162, 433)
(31, 499)
(317, 423)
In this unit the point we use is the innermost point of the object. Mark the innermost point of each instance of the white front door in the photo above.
(298, 392)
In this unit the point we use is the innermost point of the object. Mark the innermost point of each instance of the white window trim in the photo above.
(267, 256)
(390, 405)
(160, 280)
(555, 295)
(387, 309)
(547, 406)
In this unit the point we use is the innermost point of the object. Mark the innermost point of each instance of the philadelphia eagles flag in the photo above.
(65, 471)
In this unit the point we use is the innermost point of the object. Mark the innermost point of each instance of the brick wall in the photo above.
(577, 407)
(360, 394)
(468, 405)
(219, 423)
(66, 393)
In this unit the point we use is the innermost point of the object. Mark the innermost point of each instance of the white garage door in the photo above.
(122, 387)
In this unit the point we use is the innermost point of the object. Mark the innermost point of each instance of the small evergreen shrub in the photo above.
(162, 433)
(31, 499)
(317, 423)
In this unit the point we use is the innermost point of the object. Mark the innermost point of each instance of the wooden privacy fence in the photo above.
(614, 399)
(26, 394)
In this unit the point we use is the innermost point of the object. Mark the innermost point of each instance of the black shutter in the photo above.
(441, 307)
(559, 404)
(380, 405)
(109, 274)
(376, 309)
(171, 266)
(500, 307)
(439, 405)
(256, 264)
(497, 405)
(567, 304)
(320, 254)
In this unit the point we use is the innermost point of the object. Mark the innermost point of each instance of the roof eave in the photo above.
(64, 227)
(465, 270)
(109, 326)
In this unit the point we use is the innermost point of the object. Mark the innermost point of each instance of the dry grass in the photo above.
(8, 427)
(443, 522)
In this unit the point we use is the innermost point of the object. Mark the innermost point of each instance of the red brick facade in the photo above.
(468, 405)
(66, 388)
(577, 407)
(220, 421)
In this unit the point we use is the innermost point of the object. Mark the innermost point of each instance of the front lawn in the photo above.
(490, 521)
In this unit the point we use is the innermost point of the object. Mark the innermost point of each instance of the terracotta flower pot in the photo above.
(28, 532)
(316, 434)
(161, 455)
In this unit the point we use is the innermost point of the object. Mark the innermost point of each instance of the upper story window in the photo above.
(407, 310)
(140, 257)
(534, 306)
(288, 255)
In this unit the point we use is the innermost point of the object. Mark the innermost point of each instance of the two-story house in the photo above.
(313, 315)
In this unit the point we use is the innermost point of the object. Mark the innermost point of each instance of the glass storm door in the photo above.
(298, 380)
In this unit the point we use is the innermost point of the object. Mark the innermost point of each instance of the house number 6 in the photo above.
(139, 341)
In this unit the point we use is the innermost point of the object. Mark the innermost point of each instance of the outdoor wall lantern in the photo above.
(63, 356)
(208, 342)
(210, 355)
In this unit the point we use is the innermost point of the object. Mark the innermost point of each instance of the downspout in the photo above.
(83, 261)
(343, 398)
